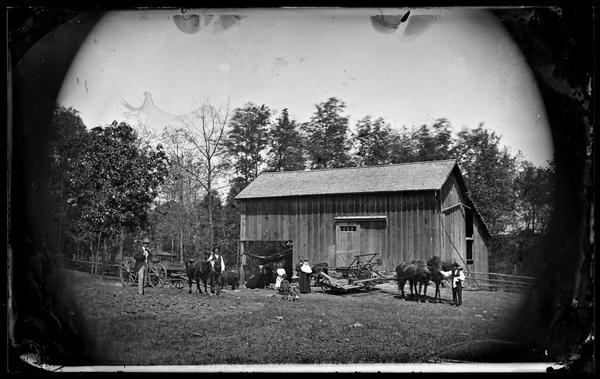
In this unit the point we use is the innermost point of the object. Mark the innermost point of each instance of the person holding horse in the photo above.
(141, 265)
(457, 278)
(218, 267)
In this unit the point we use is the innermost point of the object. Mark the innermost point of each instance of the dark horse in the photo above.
(198, 271)
(416, 272)
(436, 265)
(216, 277)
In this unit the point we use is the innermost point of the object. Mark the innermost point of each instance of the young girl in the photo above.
(280, 275)
(284, 288)
(294, 288)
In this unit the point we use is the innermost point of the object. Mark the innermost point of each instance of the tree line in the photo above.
(111, 185)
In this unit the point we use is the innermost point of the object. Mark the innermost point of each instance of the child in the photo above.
(294, 288)
(280, 276)
(284, 288)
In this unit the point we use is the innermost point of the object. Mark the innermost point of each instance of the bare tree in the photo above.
(181, 191)
(204, 130)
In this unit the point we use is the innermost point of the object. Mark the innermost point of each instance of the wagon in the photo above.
(163, 269)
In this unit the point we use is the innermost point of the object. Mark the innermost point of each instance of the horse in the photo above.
(198, 271)
(436, 265)
(216, 277)
(416, 272)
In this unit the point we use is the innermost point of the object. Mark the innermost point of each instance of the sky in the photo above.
(453, 63)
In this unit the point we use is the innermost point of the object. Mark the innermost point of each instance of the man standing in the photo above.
(141, 265)
(457, 278)
(218, 267)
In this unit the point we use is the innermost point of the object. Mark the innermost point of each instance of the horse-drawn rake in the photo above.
(162, 270)
(359, 274)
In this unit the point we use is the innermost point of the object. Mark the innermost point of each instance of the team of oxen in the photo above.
(417, 273)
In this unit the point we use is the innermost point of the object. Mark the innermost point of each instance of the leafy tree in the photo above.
(326, 136)
(373, 141)
(534, 187)
(435, 143)
(115, 182)
(489, 171)
(403, 147)
(247, 138)
(66, 144)
(285, 145)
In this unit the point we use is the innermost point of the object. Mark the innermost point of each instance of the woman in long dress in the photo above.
(305, 273)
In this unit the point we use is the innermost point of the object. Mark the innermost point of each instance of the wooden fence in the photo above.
(491, 281)
(110, 270)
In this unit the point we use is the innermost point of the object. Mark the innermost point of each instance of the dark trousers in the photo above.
(457, 294)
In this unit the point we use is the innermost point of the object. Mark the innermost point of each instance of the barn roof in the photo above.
(418, 176)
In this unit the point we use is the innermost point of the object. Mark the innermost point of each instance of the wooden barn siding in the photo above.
(480, 248)
(453, 222)
(411, 233)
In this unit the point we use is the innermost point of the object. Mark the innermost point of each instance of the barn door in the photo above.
(347, 242)
(454, 244)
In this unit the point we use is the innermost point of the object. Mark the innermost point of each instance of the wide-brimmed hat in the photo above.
(146, 240)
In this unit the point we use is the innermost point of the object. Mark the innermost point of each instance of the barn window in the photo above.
(348, 228)
(469, 250)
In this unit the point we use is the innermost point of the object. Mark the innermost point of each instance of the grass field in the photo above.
(167, 326)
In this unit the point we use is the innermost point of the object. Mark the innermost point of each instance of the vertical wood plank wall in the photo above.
(413, 230)
(309, 222)
(453, 222)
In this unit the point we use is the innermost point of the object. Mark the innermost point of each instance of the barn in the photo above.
(401, 211)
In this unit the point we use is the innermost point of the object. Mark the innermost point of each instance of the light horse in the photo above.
(416, 272)
(436, 266)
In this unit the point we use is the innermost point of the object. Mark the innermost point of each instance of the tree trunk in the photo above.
(181, 243)
(210, 210)
(96, 254)
(121, 246)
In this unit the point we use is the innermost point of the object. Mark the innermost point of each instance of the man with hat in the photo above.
(218, 267)
(141, 265)
(457, 278)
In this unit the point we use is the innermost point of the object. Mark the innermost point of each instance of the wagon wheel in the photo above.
(179, 282)
(128, 276)
(158, 275)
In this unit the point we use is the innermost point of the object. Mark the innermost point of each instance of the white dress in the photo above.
(280, 274)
